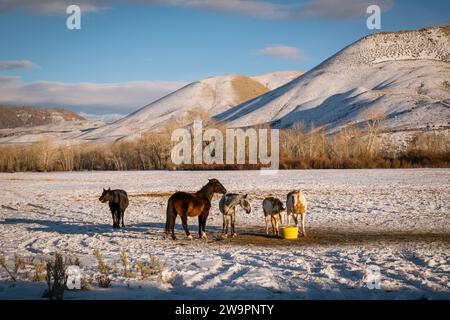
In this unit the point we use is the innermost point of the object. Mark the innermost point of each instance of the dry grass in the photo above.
(152, 267)
(4, 265)
(102, 267)
(56, 278)
(103, 281)
(39, 271)
(125, 269)
(246, 89)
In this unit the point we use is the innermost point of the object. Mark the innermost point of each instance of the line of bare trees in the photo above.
(356, 148)
(299, 149)
(151, 151)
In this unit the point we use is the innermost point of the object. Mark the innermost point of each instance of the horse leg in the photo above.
(295, 215)
(267, 224)
(185, 227)
(122, 213)
(288, 213)
(272, 221)
(225, 226)
(116, 219)
(276, 224)
(303, 224)
(172, 228)
(200, 224)
(233, 221)
(202, 234)
(113, 219)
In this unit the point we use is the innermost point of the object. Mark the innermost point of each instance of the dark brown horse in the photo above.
(192, 205)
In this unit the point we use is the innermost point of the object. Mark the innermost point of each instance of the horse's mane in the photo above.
(203, 189)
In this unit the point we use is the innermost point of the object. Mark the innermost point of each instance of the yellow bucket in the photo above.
(289, 232)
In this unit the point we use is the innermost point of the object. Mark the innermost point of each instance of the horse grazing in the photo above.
(118, 202)
(273, 207)
(192, 205)
(296, 205)
(227, 206)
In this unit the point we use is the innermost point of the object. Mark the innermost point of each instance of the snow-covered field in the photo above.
(398, 220)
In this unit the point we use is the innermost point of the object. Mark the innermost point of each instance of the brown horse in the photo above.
(192, 205)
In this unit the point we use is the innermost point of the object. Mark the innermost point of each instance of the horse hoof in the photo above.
(224, 236)
(204, 235)
(189, 237)
(234, 235)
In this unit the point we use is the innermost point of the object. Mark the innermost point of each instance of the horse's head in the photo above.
(217, 186)
(245, 204)
(106, 195)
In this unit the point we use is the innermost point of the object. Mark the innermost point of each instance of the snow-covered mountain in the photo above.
(208, 97)
(402, 76)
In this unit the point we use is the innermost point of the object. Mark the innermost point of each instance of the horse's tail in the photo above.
(170, 216)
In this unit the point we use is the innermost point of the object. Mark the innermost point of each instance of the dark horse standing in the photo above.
(118, 202)
(191, 205)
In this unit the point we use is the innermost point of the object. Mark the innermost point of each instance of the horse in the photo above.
(273, 207)
(227, 206)
(192, 205)
(296, 205)
(118, 202)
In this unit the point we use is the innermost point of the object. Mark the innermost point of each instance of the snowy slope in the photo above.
(277, 79)
(403, 75)
(210, 96)
(60, 132)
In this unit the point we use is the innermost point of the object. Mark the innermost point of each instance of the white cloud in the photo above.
(333, 9)
(92, 98)
(7, 65)
(282, 52)
(339, 9)
(7, 79)
(52, 6)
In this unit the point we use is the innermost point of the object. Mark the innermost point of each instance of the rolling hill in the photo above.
(400, 77)
(204, 98)
(14, 117)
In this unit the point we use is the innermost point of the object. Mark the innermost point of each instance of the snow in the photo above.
(397, 220)
(61, 132)
(403, 75)
(276, 79)
(212, 95)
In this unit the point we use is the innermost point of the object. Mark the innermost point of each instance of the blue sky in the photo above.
(160, 45)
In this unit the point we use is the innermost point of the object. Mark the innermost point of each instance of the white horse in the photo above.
(227, 206)
(296, 205)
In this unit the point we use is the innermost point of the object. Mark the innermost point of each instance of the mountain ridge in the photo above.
(392, 73)
(23, 116)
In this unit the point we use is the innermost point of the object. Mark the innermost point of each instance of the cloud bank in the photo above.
(7, 65)
(90, 98)
(327, 9)
(282, 52)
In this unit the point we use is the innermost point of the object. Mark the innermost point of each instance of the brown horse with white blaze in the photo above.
(192, 205)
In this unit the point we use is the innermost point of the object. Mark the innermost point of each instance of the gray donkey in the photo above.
(227, 206)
